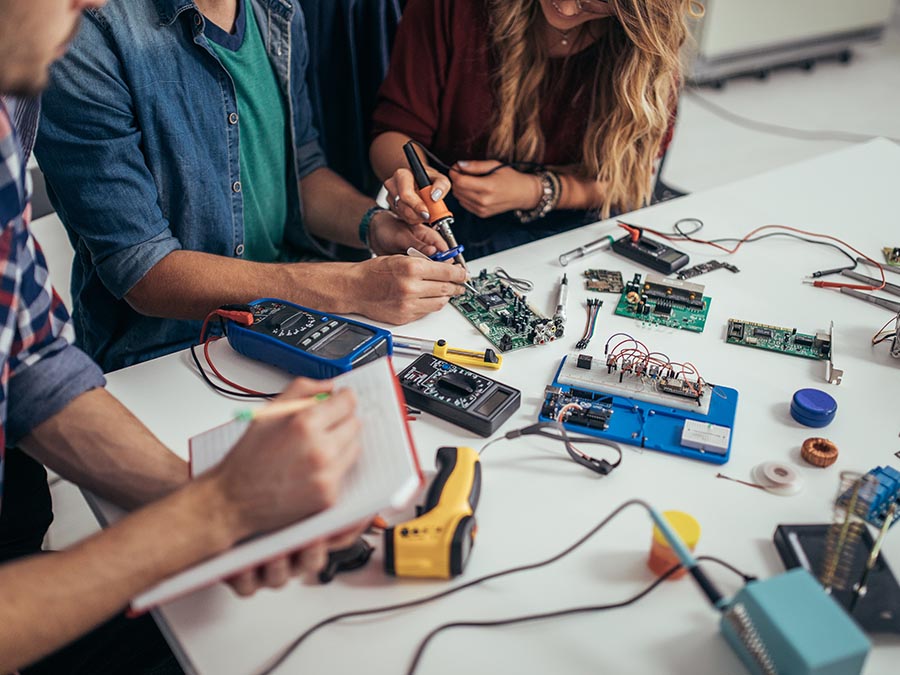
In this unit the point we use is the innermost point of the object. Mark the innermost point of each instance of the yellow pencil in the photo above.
(280, 408)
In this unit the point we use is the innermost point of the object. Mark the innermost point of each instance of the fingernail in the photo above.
(436, 194)
(425, 214)
(463, 163)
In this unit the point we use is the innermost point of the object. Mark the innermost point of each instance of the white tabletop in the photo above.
(535, 502)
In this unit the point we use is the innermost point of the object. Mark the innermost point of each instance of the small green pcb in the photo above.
(776, 339)
(503, 314)
(665, 302)
(892, 255)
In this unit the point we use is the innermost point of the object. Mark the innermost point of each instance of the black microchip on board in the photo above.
(490, 300)
(467, 306)
(803, 340)
(762, 332)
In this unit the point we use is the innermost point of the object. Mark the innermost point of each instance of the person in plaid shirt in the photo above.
(54, 410)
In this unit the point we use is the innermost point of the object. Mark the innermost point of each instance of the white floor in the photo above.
(861, 97)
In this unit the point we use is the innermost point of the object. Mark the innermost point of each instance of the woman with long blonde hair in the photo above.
(546, 113)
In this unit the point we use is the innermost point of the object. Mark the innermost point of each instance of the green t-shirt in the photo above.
(263, 132)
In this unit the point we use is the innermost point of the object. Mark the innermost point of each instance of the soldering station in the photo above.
(631, 390)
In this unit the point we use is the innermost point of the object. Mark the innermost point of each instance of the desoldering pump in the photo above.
(441, 218)
(437, 543)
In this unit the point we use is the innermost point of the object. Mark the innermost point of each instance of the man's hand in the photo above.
(307, 562)
(404, 198)
(287, 468)
(388, 234)
(504, 190)
(398, 289)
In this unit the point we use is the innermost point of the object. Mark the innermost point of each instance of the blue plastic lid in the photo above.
(813, 408)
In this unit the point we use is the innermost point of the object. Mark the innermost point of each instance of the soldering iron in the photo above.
(440, 217)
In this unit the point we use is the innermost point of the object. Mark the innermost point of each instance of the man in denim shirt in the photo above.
(153, 125)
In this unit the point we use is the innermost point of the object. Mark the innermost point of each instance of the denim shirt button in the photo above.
(233, 118)
(236, 186)
(239, 250)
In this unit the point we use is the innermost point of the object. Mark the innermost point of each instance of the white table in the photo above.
(535, 502)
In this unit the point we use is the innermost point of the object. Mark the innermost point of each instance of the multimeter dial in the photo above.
(293, 324)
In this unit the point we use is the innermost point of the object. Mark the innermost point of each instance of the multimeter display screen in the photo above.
(492, 402)
(343, 341)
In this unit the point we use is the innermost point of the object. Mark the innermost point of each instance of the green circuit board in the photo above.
(503, 314)
(777, 339)
(665, 302)
(892, 255)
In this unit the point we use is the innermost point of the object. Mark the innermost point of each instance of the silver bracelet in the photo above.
(551, 190)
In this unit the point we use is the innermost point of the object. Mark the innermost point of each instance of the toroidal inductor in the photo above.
(819, 452)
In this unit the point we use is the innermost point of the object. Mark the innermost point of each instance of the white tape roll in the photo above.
(778, 478)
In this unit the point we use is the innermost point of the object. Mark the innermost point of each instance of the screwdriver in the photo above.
(440, 217)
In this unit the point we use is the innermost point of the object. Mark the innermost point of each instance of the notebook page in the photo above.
(385, 476)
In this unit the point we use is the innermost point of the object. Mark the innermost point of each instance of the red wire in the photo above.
(817, 283)
(222, 377)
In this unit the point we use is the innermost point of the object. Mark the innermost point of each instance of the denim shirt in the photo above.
(139, 141)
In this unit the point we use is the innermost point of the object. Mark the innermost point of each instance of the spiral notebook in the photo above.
(386, 476)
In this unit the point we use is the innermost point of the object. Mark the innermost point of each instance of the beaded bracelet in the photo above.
(366, 222)
(551, 191)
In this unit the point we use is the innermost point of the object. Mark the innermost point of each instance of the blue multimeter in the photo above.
(305, 342)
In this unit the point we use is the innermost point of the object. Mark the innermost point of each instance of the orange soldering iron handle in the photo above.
(437, 210)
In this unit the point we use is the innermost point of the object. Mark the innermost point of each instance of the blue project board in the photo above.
(656, 425)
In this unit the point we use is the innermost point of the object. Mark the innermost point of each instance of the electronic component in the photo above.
(885, 494)
(437, 543)
(503, 314)
(458, 395)
(819, 346)
(703, 268)
(892, 255)
(653, 254)
(304, 341)
(603, 281)
(819, 452)
(705, 436)
(632, 399)
(878, 610)
(665, 302)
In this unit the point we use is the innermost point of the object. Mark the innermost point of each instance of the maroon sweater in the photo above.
(438, 89)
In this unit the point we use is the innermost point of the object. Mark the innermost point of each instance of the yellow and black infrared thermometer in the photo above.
(437, 543)
(440, 217)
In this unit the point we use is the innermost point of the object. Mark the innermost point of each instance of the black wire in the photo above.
(687, 236)
(223, 390)
(287, 651)
(779, 130)
(521, 167)
(417, 657)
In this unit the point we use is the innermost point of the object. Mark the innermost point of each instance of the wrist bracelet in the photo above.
(366, 222)
(551, 190)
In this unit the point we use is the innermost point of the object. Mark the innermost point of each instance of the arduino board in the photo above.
(655, 407)
(503, 314)
(786, 341)
(665, 302)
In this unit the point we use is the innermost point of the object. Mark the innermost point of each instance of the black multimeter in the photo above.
(458, 395)
(306, 342)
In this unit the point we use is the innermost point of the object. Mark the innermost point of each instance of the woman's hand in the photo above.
(504, 190)
(405, 201)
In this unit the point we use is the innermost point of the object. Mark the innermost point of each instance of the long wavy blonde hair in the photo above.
(629, 97)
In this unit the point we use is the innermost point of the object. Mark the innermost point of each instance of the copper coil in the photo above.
(819, 452)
